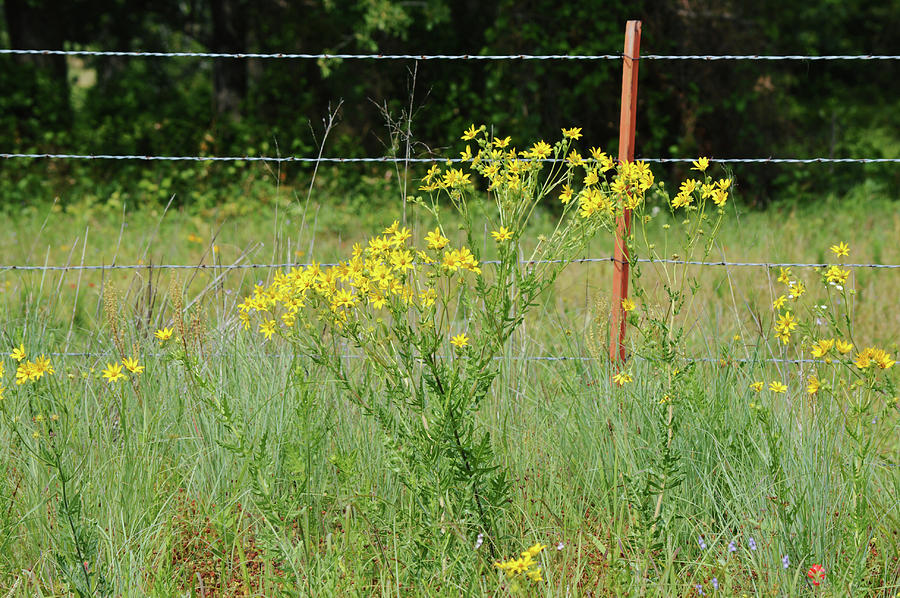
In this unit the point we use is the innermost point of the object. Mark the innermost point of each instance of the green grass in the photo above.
(160, 505)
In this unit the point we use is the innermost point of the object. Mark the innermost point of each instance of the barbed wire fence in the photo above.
(388, 159)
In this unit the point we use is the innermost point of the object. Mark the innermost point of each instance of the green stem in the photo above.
(65, 500)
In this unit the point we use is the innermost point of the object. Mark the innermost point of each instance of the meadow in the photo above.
(163, 449)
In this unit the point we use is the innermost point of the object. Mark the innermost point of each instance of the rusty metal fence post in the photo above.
(630, 62)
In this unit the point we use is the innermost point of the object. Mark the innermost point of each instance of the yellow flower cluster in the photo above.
(453, 178)
(775, 386)
(784, 324)
(30, 371)
(716, 191)
(525, 565)
(628, 187)
(622, 378)
(821, 348)
(385, 271)
(870, 357)
(785, 321)
(836, 276)
(509, 173)
(113, 372)
(495, 161)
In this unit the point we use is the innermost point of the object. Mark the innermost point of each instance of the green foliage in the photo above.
(175, 107)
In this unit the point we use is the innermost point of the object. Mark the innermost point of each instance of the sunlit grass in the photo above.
(165, 508)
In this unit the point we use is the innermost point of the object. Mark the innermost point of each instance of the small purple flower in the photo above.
(785, 562)
(701, 542)
(715, 584)
(699, 589)
(732, 547)
(560, 546)
(479, 541)
(751, 543)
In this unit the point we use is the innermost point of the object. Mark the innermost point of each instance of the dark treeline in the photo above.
(686, 108)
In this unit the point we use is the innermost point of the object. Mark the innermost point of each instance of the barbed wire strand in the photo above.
(325, 56)
(587, 260)
(550, 358)
(392, 160)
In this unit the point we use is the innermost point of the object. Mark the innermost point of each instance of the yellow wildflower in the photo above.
(573, 133)
(113, 372)
(402, 261)
(778, 387)
(701, 164)
(471, 132)
(779, 303)
(163, 334)
(841, 249)
(812, 385)
(566, 194)
(882, 359)
(688, 186)
(796, 289)
(843, 346)
(822, 347)
(341, 298)
(541, 149)
(455, 177)
(784, 275)
(606, 163)
(131, 363)
(42, 366)
(498, 142)
(18, 353)
(785, 322)
(460, 340)
(395, 225)
(436, 240)
(428, 296)
(757, 386)
(622, 378)
(24, 372)
(267, 328)
(627, 305)
(575, 159)
(431, 174)
(467, 260)
(836, 275)
(501, 235)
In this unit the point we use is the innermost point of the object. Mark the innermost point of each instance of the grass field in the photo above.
(232, 467)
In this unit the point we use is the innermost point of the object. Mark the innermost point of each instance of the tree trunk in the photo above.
(229, 34)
